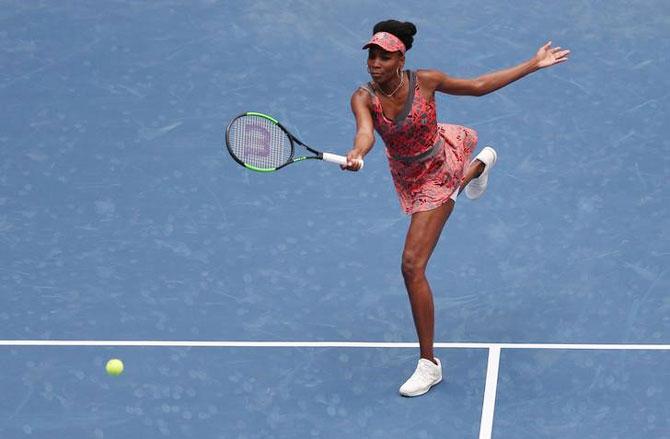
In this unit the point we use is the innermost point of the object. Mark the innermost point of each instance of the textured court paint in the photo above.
(254, 393)
(122, 216)
(607, 394)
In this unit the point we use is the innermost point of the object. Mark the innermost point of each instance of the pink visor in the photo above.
(386, 41)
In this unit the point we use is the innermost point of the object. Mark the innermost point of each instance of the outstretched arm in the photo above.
(546, 56)
(365, 137)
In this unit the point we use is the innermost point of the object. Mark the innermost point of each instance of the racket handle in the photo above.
(339, 159)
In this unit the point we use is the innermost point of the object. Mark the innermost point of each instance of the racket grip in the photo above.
(339, 159)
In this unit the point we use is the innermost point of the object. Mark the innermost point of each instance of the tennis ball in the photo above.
(114, 367)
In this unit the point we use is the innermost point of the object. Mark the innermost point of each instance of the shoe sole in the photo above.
(495, 155)
(479, 191)
(468, 193)
(409, 395)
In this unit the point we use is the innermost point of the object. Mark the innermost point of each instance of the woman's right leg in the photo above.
(424, 232)
(422, 237)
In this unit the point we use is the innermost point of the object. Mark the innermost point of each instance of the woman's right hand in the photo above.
(354, 161)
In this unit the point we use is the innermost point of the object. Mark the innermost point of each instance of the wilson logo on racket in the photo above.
(259, 140)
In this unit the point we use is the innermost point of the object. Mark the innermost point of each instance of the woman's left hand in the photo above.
(547, 56)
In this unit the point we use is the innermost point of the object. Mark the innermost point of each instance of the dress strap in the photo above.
(407, 108)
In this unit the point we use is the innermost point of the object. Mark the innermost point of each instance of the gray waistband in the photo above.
(423, 156)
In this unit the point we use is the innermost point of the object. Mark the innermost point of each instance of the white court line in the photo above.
(486, 424)
(329, 344)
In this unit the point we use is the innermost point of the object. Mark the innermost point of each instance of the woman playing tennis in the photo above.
(430, 163)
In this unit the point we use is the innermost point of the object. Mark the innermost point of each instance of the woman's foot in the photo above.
(426, 375)
(477, 186)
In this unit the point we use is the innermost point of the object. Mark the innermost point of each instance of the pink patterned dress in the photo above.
(427, 159)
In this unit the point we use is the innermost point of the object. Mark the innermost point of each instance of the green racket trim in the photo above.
(265, 116)
(257, 169)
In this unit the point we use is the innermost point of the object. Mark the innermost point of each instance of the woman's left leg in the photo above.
(473, 171)
(422, 237)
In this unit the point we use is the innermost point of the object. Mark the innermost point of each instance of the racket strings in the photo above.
(259, 142)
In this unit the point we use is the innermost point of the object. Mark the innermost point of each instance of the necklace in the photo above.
(390, 95)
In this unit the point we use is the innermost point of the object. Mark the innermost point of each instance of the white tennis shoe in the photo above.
(426, 375)
(477, 186)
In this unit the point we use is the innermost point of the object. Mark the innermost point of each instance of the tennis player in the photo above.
(430, 163)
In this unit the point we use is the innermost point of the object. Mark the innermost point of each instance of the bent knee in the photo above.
(412, 266)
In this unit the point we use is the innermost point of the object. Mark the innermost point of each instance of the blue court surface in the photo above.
(249, 305)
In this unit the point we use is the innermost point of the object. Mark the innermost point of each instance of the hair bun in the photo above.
(410, 27)
(404, 30)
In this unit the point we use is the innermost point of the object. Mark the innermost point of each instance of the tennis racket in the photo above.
(260, 143)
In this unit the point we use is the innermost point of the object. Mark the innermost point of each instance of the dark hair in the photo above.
(404, 30)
